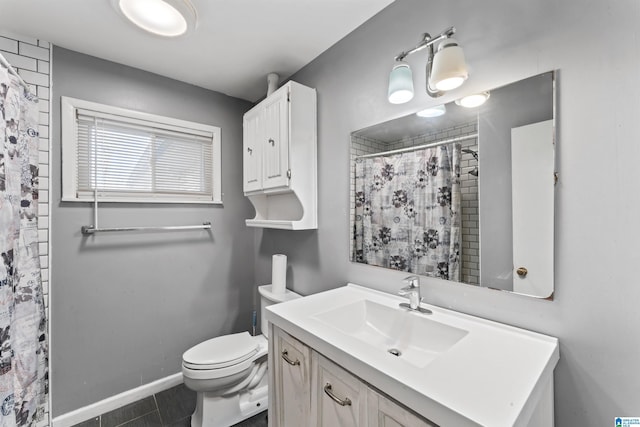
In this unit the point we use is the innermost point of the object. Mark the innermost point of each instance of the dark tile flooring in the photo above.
(169, 408)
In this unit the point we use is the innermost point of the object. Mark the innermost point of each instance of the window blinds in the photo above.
(123, 157)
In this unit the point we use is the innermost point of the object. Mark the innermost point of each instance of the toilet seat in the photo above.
(223, 356)
(221, 352)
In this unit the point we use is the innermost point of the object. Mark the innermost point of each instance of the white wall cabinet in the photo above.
(280, 159)
(307, 389)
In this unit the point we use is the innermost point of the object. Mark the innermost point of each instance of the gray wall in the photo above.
(124, 307)
(595, 312)
(526, 102)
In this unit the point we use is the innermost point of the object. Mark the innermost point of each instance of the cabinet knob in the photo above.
(329, 392)
(272, 142)
(522, 271)
(249, 150)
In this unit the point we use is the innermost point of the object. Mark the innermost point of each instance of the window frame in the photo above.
(68, 113)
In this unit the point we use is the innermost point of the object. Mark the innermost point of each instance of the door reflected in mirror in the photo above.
(462, 194)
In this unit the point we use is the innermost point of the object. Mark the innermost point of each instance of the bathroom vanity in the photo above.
(352, 357)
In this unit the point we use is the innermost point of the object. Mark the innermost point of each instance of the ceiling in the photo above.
(237, 42)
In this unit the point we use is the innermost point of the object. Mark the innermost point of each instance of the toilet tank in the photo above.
(267, 298)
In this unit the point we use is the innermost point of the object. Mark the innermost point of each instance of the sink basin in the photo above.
(412, 337)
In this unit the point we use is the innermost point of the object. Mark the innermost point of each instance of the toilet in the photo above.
(229, 373)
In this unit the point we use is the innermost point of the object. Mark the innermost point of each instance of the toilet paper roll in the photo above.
(279, 274)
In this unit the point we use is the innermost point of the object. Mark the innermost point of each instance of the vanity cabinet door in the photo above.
(338, 398)
(292, 381)
(384, 412)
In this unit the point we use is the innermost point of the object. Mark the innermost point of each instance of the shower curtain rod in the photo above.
(418, 147)
(12, 70)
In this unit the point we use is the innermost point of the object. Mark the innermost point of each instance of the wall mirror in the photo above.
(465, 196)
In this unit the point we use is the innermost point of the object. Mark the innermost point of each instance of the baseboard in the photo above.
(114, 402)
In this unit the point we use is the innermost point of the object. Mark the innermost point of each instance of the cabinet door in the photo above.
(338, 398)
(293, 383)
(384, 412)
(275, 145)
(252, 158)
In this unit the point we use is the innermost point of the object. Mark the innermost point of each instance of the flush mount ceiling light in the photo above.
(431, 112)
(446, 69)
(168, 18)
(472, 101)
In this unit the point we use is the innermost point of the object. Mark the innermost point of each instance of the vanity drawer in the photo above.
(338, 398)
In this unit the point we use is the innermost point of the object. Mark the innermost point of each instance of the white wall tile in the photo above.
(22, 62)
(32, 51)
(8, 45)
(43, 131)
(43, 93)
(43, 67)
(34, 78)
(43, 157)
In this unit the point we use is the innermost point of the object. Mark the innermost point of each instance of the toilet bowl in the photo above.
(229, 372)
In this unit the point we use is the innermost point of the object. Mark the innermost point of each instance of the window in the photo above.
(120, 155)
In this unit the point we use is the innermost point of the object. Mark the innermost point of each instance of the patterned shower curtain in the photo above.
(407, 211)
(23, 343)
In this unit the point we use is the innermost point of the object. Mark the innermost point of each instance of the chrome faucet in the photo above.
(412, 291)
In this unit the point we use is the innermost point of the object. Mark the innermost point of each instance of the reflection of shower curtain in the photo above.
(23, 344)
(407, 211)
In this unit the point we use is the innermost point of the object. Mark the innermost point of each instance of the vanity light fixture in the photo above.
(431, 112)
(446, 69)
(472, 101)
(167, 18)
(400, 83)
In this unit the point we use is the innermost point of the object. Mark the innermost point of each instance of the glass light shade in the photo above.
(430, 112)
(472, 101)
(449, 68)
(400, 83)
(168, 18)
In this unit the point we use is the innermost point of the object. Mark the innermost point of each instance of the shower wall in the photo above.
(30, 57)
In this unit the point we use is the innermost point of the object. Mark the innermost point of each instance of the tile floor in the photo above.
(169, 408)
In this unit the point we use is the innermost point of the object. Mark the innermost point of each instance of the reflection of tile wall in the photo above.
(468, 187)
(470, 247)
(30, 57)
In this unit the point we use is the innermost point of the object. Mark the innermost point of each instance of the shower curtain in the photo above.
(407, 211)
(23, 343)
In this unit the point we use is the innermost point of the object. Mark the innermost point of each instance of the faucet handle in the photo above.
(413, 281)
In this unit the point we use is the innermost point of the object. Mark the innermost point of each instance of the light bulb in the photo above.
(430, 112)
(472, 101)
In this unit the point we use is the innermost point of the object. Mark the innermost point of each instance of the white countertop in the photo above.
(493, 376)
